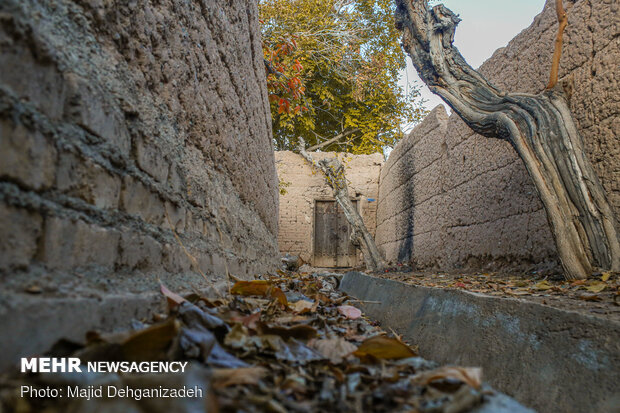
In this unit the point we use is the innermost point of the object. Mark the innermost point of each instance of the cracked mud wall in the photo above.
(451, 199)
(112, 114)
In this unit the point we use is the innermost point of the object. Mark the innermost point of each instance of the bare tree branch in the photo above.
(557, 53)
(272, 70)
(332, 140)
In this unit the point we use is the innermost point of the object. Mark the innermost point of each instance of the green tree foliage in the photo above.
(333, 69)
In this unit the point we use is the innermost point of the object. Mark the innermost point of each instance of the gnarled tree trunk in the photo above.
(539, 127)
(333, 170)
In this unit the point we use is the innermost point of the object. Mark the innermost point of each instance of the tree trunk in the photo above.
(333, 170)
(539, 127)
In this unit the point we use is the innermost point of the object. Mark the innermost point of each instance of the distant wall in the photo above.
(305, 186)
(450, 198)
(112, 113)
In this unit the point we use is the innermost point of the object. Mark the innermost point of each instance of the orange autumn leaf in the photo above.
(173, 299)
(261, 288)
(151, 343)
(256, 287)
(382, 347)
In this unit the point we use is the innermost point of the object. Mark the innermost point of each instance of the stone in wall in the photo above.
(118, 121)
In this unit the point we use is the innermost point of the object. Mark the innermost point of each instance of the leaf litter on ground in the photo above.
(257, 350)
(599, 294)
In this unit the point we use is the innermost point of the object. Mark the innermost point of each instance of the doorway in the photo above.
(332, 231)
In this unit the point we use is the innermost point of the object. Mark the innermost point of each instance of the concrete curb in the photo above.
(31, 324)
(549, 359)
(30, 327)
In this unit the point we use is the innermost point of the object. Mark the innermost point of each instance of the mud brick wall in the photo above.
(111, 114)
(305, 186)
(451, 199)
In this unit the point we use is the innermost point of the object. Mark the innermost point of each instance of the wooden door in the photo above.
(332, 245)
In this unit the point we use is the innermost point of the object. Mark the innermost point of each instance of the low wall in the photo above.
(113, 116)
(452, 199)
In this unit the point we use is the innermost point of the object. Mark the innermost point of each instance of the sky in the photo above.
(487, 25)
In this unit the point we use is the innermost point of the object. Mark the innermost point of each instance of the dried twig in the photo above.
(557, 53)
(331, 140)
(364, 301)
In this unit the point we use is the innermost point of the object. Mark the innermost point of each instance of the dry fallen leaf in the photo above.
(543, 285)
(350, 312)
(173, 299)
(34, 289)
(260, 288)
(472, 376)
(589, 297)
(596, 286)
(335, 349)
(605, 276)
(300, 331)
(302, 306)
(250, 320)
(229, 377)
(238, 337)
(519, 291)
(152, 343)
(291, 319)
(382, 347)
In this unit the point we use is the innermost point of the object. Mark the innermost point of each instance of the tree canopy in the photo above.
(333, 70)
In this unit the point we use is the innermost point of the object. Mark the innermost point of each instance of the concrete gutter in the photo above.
(549, 359)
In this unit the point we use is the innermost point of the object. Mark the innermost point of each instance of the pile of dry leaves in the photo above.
(286, 343)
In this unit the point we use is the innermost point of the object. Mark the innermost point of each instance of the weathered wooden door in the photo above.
(332, 245)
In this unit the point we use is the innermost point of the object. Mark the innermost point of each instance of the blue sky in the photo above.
(487, 25)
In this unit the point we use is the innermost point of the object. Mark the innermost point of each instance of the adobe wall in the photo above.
(305, 186)
(450, 198)
(112, 114)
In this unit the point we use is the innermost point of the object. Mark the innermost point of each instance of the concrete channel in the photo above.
(548, 359)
